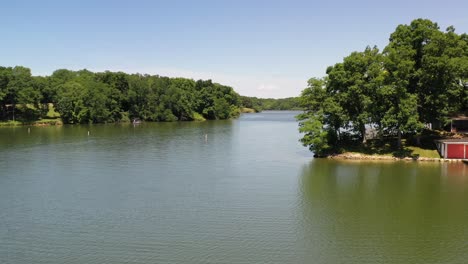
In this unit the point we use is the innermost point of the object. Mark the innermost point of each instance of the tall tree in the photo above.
(5, 75)
(322, 119)
(20, 89)
(433, 62)
(354, 83)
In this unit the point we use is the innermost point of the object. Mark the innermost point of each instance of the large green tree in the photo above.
(322, 119)
(419, 78)
(431, 64)
(21, 90)
(354, 84)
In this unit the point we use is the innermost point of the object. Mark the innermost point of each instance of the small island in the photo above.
(393, 103)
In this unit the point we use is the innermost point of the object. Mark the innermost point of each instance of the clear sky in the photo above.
(261, 48)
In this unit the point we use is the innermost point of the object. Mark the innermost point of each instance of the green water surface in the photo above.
(238, 191)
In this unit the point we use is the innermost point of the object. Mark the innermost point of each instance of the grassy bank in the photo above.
(373, 149)
(387, 148)
(248, 110)
(41, 122)
(51, 118)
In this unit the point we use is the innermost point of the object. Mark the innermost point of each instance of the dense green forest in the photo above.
(87, 97)
(419, 78)
(260, 104)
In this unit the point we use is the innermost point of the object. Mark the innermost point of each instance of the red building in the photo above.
(453, 148)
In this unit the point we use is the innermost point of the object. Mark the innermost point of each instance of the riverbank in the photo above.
(387, 149)
(364, 157)
(246, 110)
(42, 122)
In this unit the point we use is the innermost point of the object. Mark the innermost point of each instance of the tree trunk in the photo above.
(418, 140)
(363, 133)
(399, 138)
(3, 115)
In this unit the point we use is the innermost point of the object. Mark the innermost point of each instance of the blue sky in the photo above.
(261, 48)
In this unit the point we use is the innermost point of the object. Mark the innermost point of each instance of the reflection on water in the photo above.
(153, 193)
(161, 193)
(362, 212)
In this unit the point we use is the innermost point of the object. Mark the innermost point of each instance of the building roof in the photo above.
(459, 117)
(453, 140)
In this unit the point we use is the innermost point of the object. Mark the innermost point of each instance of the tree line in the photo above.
(87, 97)
(419, 79)
(260, 104)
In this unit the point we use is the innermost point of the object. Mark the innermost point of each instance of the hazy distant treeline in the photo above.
(260, 104)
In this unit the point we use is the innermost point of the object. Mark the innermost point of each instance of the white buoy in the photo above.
(88, 133)
(29, 130)
(206, 138)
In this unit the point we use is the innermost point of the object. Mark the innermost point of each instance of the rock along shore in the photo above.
(358, 156)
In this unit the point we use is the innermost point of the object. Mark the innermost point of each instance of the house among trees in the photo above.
(459, 124)
(414, 83)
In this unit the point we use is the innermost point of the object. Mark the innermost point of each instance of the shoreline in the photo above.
(364, 157)
(38, 123)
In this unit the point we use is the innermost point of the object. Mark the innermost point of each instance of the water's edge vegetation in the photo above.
(392, 102)
(87, 97)
(84, 97)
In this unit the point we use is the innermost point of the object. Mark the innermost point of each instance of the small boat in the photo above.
(136, 121)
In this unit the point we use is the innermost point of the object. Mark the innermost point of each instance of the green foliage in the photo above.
(70, 103)
(420, 77)
(124, 118)
(260, 104)
(315, 136)
(87, 97)
(248, 110)
(197, 117)
(216, 101)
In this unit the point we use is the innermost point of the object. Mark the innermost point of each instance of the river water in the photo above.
(237, 191)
